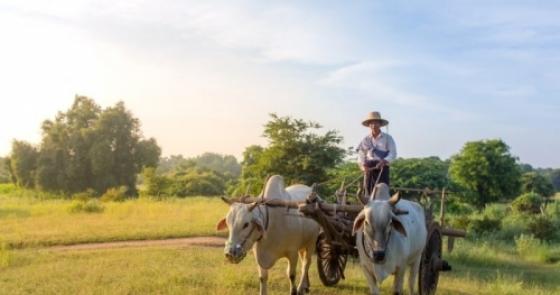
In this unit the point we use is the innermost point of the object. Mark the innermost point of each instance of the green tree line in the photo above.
(86, 147)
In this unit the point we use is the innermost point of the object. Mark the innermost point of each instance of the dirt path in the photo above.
(194, 241)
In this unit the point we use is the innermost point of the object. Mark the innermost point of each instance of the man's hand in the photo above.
(364, 168)
(381, 164)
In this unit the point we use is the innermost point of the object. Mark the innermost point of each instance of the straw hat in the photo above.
(374, 116)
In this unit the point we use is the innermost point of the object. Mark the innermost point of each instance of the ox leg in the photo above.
(399, 280)
(413, 274)
(291, 272)
(372, 283)
(305, 256)
(367, 266)
(263, 278)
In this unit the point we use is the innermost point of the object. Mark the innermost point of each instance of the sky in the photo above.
(203, 76)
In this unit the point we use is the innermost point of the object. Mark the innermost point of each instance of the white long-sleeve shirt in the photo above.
(383, 143)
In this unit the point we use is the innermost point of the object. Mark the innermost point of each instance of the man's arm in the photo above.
(392, 150)
(362, 157)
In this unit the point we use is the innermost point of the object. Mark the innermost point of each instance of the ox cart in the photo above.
(335, 242)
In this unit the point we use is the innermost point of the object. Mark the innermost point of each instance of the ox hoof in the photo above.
(303, 291)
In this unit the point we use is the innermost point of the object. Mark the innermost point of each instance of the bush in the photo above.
(93, 206)
(528, 203)
(495, 211)
(84, 196)
(115, 194)
(553, 212)
(454, 206)
(542, 228)
(460, 221)
(484, 225)
(7, 188)
(90, 206)
(514, 225)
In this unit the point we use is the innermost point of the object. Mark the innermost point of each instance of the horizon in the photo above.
(203, 77)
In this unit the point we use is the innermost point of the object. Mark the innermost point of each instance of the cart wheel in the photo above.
(331, 261)
(431, 262)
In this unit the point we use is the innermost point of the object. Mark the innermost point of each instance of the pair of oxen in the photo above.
(388, 241)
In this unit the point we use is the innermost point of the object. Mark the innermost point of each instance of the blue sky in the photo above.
(204, 75)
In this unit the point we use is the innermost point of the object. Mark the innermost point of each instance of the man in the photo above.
(376, 151)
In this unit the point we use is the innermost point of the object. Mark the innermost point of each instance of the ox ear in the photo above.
(358, 222)
(397, 225)
(221, 224)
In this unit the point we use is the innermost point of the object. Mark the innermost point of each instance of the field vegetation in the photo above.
(29, 223)
(478, 269)
(31, 219)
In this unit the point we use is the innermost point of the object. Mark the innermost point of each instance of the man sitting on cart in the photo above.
(375, 152)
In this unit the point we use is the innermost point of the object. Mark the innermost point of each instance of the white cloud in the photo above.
(274, 31)
(375, 79)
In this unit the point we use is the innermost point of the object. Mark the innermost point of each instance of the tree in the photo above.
(294, 151)
(5, 176)
(487, 169)
(524, 168)
(224, 164)
(428, 172)
(533, 182)
(88, 147)
(23, 163)
(555, 178)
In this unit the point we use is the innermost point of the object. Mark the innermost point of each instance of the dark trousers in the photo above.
(370, 177)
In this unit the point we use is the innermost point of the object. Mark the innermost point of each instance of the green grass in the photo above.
(194, 270)
(34, 222)
(29, 221)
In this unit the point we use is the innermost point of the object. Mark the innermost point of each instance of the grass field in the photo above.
(28, 223)
(194, 270)
(33, 222)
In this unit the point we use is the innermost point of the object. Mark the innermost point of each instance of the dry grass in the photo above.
(32, 222)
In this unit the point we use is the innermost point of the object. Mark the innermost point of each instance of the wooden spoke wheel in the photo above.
(431, 262)
(331, 261)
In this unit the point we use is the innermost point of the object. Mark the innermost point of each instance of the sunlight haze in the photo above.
(202, 76)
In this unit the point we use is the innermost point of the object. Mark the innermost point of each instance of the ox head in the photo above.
(378, 220)
(245, 227)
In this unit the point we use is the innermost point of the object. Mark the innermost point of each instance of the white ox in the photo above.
(389, 239)
(273, 233)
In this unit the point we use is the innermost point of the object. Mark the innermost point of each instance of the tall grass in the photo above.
(34, 222)
(532, 249)
(5, 256)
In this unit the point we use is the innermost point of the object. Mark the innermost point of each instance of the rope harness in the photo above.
(365, 236)
(254, 226)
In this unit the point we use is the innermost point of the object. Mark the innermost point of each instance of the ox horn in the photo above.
(253, 206)
(226, 200)
(395, 199)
